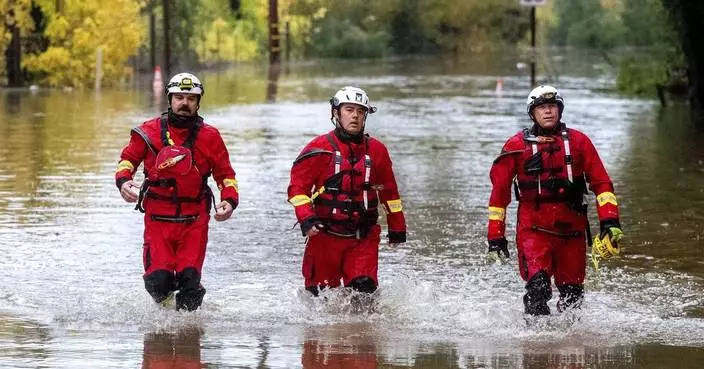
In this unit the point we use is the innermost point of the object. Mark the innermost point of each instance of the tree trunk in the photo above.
(13, 54)
(688, 15)
(167, 45)
(152, 38)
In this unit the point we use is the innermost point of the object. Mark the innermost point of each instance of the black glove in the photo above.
(499, 246)
(612, 228)
(397, 236)
(310, 223)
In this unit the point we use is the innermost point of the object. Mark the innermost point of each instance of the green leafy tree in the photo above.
(587, 23)
(226, 34)
(660, 62)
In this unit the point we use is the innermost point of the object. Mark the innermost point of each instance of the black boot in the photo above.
(363, 297)
(539, 292)
(571, 297)
(190, 299)
(159, 284)
(191, 292)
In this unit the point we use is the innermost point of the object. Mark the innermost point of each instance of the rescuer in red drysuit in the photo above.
(338, 182)
(179, 152)
(550, 166)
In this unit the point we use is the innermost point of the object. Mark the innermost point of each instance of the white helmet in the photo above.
(184, 83)
(544, 94)
(352, 95)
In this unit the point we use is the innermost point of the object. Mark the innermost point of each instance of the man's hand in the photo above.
(130, 191)
(615, 234)
(314, 230)
(498, 250)
(223, 211)
(611, 228)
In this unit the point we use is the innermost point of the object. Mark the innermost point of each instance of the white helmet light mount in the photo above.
(544, 94)
(352, 95)
(185, 83)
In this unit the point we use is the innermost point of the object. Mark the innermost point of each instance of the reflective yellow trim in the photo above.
(230, 182)
(496, 213)
(125, 164)
(606, 198)
(168, 138)
(395, 206)
(299, 200)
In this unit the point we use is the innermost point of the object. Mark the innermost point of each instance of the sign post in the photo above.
(532, 4)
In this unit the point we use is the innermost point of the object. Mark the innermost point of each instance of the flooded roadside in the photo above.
(73, 249)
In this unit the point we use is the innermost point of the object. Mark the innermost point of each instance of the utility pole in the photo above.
(533, 53)
(532, 46)
(274, 36)
(167, 46)
(288, 41)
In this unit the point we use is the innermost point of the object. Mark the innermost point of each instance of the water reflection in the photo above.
(22, 341)
(344, 346)
(272, 85)
(178, 350)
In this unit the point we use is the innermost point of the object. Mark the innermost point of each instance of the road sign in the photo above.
(533, 2)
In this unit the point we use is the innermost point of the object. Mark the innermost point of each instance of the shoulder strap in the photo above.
(164, 130)
(193, 132)
(568, 154)
(146, 139)
(308, 154)
(332, 142)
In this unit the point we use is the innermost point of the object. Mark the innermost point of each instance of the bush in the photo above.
(341, 39)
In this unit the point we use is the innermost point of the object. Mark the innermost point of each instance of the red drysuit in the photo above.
(549, 171)
(177, 164)
(340, 183)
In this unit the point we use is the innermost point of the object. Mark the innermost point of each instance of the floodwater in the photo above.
(72, 294)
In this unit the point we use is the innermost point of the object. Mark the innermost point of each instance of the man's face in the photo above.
(351, 118)
(184, 104)
(547, 115)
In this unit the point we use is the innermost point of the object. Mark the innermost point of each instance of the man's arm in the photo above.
(501, 175)
(600, 183)
(502, 172)
(391, 199)
(304, 172)
(130, 158)
(224, 176)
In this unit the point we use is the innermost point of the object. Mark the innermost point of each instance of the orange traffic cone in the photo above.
(158, 82)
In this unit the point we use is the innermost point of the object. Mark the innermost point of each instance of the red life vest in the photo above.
(552, 182)
(347, 202)
(174, 188)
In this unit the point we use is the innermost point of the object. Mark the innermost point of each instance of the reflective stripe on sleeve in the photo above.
(496, 213)
(230, 182)
(606, 198)
(125, 164)
(299, 200)
(395, 206)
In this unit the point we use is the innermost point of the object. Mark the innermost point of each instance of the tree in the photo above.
(687, 16)
(77, 31)
(17, 21)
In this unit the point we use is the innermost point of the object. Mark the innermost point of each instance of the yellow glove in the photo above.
(605, 245)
